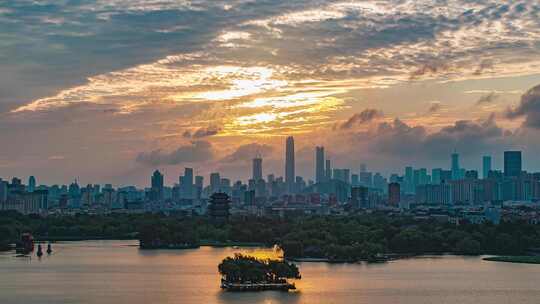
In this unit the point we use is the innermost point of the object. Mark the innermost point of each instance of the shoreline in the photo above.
(516, 259)
(208, 243)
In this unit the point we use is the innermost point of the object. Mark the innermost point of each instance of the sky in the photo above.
(106, 91)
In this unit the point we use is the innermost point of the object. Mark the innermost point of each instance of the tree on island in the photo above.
(250, 270)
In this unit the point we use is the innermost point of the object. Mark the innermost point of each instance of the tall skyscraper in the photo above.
(456, 172)
(187, 183)
(512, 163)
(199, 185)
(328, 169)
(319, 165)
(486, 166)
(257, 168)
(31, 184)
(289, 164)
(409, 180)
(156, 192)
(215, 182)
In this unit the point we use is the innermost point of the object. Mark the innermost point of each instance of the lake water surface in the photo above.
(102, 272)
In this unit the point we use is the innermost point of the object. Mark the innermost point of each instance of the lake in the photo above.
(116, 272)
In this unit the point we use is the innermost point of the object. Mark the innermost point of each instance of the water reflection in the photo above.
(117, 272)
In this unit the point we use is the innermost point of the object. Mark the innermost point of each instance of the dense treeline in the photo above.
(343, 238)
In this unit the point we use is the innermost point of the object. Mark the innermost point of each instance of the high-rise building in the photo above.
(355, 180)
(436, 177)
(215, 182)
(257, 168)
(3, 191)
(289, 165)
(486, 166)
(394, 194)
(186, 184)
(328, 170)
(156, 191)
(31, 184)
(199, 185)
(409, 180)
(359, 197)
(512, 163)
(456, 172)
(319, 165)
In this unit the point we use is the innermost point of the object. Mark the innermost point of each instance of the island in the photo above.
(247, 273)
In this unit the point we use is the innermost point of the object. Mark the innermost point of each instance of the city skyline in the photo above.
(512, 166)
(208, 84)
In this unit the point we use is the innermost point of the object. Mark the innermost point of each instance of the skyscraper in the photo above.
(156, 192)
(257, 168)
(456, 172)
(289, 164)
(409, 180)
(199, 185)
(187, 183)
(31, 184)
(319, 165)
(486, 166)
(328, 168)
(512, 163)
(215, 182)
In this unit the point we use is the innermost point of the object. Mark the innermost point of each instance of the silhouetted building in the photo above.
(186, 184)
(31, 184)
(486, 166)
(156, 191)
(257, 169)
(512, 163)
(289, 165)
(328, 170)
(319, 165)
(215, 182)
(456, 171)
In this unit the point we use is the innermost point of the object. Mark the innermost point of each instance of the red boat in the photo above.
(26, 244)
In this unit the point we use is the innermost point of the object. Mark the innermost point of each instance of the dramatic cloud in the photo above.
(399, 140)
(197, 151)
(248, 152)
(360, 118)
(529, 107)
(99, 81)
(202, 132)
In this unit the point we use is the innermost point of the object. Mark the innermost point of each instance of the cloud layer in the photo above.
(104, 87)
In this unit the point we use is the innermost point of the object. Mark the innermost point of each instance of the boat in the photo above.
(25, 245)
